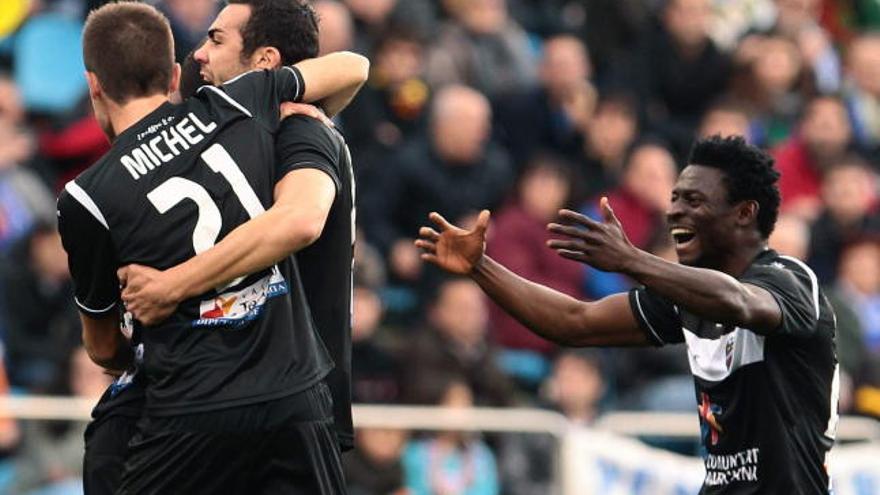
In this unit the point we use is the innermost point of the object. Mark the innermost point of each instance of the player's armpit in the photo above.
(105, 343)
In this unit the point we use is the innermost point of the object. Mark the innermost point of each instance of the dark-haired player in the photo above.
(315, 218)
(759, 332)
(235, 401)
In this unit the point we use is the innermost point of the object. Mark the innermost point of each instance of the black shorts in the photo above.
(285, 446)
(106, 442)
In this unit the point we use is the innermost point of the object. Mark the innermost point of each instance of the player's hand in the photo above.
(602, 245)
(289, 108)
(147, 293)
(453, 249)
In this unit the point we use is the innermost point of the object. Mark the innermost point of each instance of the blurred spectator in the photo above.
(481, 47)
(190, 20)
(822, 138)
(392, 107)
(726, 117)
(556, 113)
(609, 134)
(771, 85)
(518, 241)
(373, 18)
(450, 462)
(52, 452)
(528, 461)
(863, 92)
(680, 71)
(791, 237)
(849, 200)
(731, 20)
(374, 369)
(798, 20)
(640, 204)
(859, 282)
(335, 27)
(42, 322)
(375, 467)
(455, 341)
(455, 171)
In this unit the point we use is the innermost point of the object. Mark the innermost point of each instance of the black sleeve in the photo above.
(657, 316)
(261, 92)
(796, 290)
(91, 257)
(304, 142)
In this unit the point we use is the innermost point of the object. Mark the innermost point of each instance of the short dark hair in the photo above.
(291, 26)
(130, 49)
(748, 174)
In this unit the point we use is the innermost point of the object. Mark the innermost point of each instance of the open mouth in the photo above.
(682, 236)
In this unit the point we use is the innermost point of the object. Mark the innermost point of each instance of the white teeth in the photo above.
(681, 231)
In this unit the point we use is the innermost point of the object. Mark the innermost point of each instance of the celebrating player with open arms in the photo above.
(759, 332)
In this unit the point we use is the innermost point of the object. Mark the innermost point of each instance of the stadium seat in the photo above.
(50, 84)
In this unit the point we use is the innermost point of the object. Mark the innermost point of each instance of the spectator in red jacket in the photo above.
(518, 242)
(823, 137)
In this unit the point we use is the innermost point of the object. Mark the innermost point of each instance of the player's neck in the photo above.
(126, 115)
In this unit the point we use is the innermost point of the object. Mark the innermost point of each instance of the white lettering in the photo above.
(173, 141)
(137, 164)
(186, 130)
(207, 129)
(150, 154)
(165, 157)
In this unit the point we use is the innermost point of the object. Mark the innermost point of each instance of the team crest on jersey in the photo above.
(238, 307)
(710, 428)
(728, 352)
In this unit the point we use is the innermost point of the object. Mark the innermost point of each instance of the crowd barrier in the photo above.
(604, 459)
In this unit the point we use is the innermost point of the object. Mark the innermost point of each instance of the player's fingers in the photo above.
(608, 212)
(426, 246)
(429, 233)
(430, 258)
(122, 275)
(482, 222)
(572, 255)
(440, 221)
(577, 218)
(566, 230)
(571, 245)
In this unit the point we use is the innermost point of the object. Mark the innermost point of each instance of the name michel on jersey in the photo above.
(169, 141)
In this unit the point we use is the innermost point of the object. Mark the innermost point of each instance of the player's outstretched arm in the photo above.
(551, 314)
(711, 294)
(333, 79)
(104, 342)
(302, 202)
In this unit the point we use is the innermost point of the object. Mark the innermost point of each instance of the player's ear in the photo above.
(747, 212)
(95, 90)
(266, 57)
(174, 86)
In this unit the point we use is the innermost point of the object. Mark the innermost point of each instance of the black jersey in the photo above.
(326, 265)
(767, 403)
(172, 185)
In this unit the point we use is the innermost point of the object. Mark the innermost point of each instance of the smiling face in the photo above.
(701, 219)
(220, 56)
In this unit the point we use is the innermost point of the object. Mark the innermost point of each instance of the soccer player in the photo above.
(314, 200)
(235, 401)
(758, 329)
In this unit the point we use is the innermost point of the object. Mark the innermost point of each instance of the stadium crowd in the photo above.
(518, 106)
